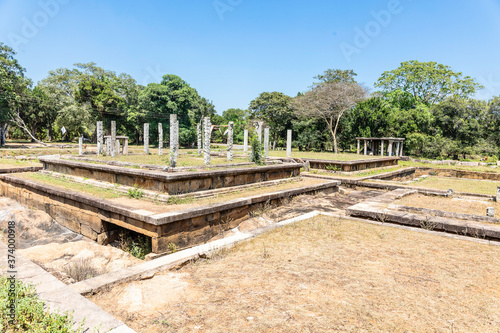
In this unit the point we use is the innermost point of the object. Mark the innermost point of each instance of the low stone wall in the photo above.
(172, 183)
(19, 169)
(99, 219)
(348, 166)
(397, 175)
(457, 173)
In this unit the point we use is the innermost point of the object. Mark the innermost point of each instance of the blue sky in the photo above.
(232, 50)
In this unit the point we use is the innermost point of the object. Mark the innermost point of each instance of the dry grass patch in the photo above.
(10, 163)
(459, 185)
(479, 168)
(454, 205)
(324, 275)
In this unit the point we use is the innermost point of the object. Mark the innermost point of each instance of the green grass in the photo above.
(459, 185)
(31, 314)
(66, 183)
(17, 163)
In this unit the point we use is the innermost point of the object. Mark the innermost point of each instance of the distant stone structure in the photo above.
(174, 136)
(198, 132)
(160, 139)
(259, 130)
(230, 129)
(113, 139)
(207, 131)
(266, 142)
(80, 145)
(100, 138)
(245, 141)
(146, 138)
(289, 143)
(376, 146)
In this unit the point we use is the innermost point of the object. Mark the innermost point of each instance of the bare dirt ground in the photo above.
(322, 275)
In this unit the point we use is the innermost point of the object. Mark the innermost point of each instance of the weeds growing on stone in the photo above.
(135, 193)
(82, 270)
(136, 244)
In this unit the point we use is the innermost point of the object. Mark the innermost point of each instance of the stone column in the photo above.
(160, 139)
(266, 142)
(113, 138)
(108, 146)
(125, 146)
(289, 143)
(117, 146)
(397, 149)
(177, 145)
(382, 148)
(401, 149)
(146, 138)
(389, 153)
(245, 141)
(230, 129)
(358, 146)
(173, 141)
(198, 132)
(365, 150)
(207, 131)
(498, 194)
(259, 130)
(80, 146)
(100, 138)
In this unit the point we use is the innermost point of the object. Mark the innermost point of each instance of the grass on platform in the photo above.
(459, 185)
(454, 205)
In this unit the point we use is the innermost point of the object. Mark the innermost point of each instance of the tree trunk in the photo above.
(49, 134)
(19, 122)
(4, 127)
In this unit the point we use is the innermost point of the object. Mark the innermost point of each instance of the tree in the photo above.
(330, 101)
(276, 110)
(240, 118)
(13, 88)
(336, 75)
(430, 82)
(461, 120)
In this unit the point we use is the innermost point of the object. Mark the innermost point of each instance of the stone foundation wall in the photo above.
(172, 183)
(349, 166)
(457, 173)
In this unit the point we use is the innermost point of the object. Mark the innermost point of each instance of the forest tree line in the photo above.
(425, 102)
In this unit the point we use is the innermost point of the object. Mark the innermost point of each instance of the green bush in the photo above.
(31, 314)
(135, 193)
(256, 155)
(136, 244)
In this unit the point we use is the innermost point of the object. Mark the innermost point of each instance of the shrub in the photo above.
(136, 244)
(257, 152)
(82, 270)
(135, 193)
(31, 314)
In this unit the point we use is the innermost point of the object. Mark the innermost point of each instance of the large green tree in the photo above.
(276, 110)
(430, 82)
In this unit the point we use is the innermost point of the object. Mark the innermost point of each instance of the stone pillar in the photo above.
(245, 141)
(198, 132)
(289, 143)
(266, 142)
(173, 140)
(401, 149)
(117, 146)
(146, 138)
(177, 144)
(80, 146)
(397, 149)
(230, 129)
(389, 153)
(259, 130)
(498, 194)
(100, 138)
(113, 138)
(108, 146)
(490, 211)
(207, 131)
(382, 148)
(358, 147)
(125, 146)
(160, 139)
(365, 150)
